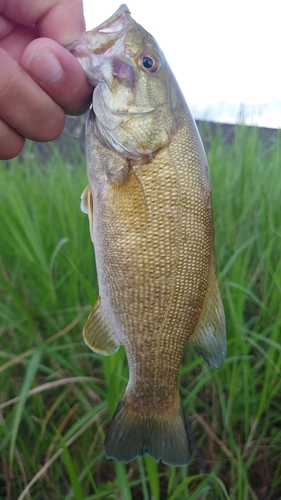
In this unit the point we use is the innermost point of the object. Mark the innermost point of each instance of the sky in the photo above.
(224, 54)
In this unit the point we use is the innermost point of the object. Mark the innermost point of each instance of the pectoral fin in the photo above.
(97, 332)
(87, 206)
(209, 337)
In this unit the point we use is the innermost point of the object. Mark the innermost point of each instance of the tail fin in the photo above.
(133, 434)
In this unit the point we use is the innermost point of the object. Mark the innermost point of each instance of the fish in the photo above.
(151, 223)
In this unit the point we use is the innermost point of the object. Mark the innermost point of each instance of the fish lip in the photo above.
(133, 110)
(117, 22)
(100, 40)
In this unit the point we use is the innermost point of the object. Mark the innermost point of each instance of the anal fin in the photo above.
(97, 332)
(209, 337)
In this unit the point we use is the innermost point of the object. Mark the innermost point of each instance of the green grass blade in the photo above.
(20, 408)
(153, 477)
(143, 480)
(123, 482)
(72, 472)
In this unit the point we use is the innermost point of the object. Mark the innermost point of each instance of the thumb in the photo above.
(59, 74)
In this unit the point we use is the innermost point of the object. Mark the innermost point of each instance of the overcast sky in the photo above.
(223, 53)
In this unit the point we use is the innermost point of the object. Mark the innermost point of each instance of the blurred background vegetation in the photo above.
(57, 397)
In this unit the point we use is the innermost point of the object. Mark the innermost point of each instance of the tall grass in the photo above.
(57, 396)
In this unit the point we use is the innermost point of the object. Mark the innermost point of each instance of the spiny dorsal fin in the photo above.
(97, 332)
(209, 337)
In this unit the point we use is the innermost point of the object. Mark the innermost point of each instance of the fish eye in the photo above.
(149, 63)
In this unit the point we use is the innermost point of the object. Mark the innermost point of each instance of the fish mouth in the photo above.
(117, 22)
(101, 39)
(111, 116)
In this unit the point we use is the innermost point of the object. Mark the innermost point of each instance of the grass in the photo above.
(57, 396)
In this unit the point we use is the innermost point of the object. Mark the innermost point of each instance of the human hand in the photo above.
(40, 80)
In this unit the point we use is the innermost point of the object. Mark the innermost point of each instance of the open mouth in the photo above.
(117, 22)
(102, 38)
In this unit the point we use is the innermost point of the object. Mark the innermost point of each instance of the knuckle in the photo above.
(8, 85)
(52, 124)
(11, 143)
(26, 109)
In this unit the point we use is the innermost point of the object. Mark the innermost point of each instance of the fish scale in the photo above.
(150, 213)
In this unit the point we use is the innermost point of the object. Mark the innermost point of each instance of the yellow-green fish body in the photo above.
(149, 203)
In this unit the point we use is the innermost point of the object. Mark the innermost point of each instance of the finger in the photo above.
(17, 40)
(6, 26)
(61, 20)
(24, 106)
(59, 74)
(11, 143)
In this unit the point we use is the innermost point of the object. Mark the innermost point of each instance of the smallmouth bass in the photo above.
(150, 215)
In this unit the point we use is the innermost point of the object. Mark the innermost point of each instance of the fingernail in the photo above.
(44, 66)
